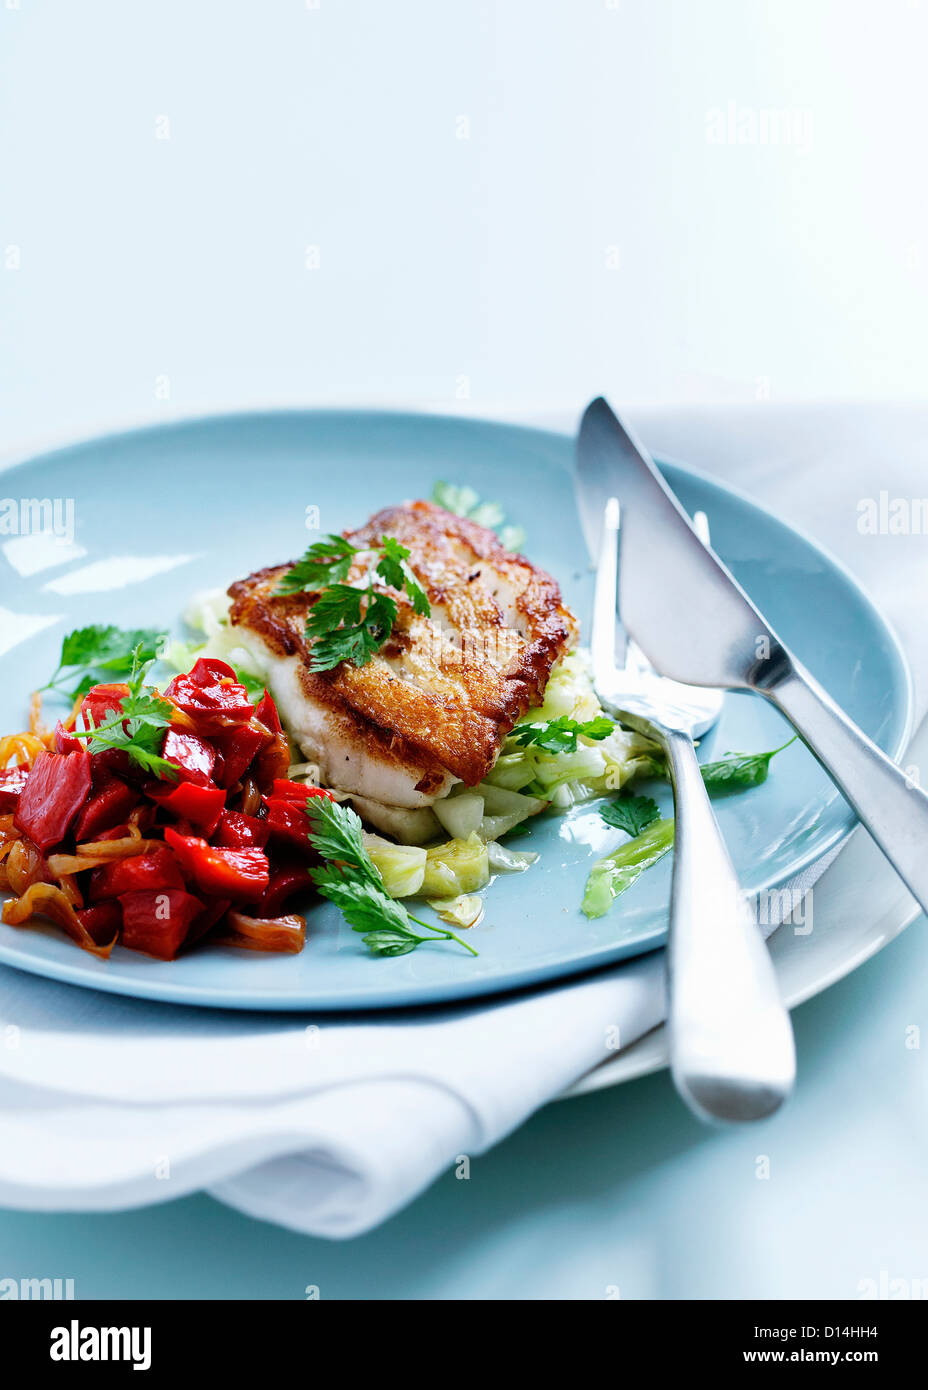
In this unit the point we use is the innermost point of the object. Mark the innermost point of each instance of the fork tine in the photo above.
(602, 632)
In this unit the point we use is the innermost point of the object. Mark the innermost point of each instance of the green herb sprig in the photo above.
(325, 562)
(630, 813)
(138, 728)
(347, 622)
(560, 735)
(464, 501)
(98, 653)
(738, 770)
(351, 881)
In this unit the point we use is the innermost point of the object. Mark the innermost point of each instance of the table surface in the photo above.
(618, 1190)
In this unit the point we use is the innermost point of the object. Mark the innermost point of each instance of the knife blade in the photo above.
(691, 618)
(696, 624)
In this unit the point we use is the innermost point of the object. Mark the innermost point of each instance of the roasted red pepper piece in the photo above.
(193, 756)
(118, 832)
(272, 762)
(65, 742)
(285, 880)
(266, 711)
(12, 781)
(209, 669)
(237, 748)
(238, 831)
(158, 922)
(55, 791)
(222, 873)
(201, 806)
(156, 870)
(110, 763)
(211, 689)
(286, 813)
(102, 920)
(296, 791)
(105, 809)
(213, 910)
(101, 702)
(288, 822)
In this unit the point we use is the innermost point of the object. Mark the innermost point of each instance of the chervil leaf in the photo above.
(354, 644)
(138, 726)
(394, 570)
(326, 562)
(630, 813)
(599, 728)
(337, 833)
(348, 624)
(341, 603)
(420, 599)
(459, 500)
(560, 735)
(387, 943)
(511, 537)
(84, 644)
(351, 881)
(102, 650)
(120, 651)
(739, 769)
(380, 617)
(365, 907)
(488, 514)
(392, 564)
(464, 501)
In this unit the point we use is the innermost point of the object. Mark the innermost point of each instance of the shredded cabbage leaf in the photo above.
(456, 867)
(611, 876)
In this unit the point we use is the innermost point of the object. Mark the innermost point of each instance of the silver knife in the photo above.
(696, 624)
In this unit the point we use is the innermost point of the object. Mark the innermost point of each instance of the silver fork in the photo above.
(731, 1042)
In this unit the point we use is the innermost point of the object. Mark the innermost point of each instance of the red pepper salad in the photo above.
(160, 821)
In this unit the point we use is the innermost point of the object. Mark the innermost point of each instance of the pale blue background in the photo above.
(586, 236)
(451, 265)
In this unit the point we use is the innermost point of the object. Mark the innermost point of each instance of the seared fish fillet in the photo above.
(434, 705)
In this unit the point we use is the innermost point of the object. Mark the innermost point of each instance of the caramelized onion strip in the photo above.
(20, 750)
(281, 934)
(48, 900)
(25, 865)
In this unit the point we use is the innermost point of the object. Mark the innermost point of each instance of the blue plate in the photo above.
(163, 512)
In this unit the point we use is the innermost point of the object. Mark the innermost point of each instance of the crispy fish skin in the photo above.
(435, 704)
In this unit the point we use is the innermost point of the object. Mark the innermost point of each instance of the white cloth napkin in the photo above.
(330, 1125)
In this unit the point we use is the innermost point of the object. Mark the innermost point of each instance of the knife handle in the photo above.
(889, 803)
(731, 1041)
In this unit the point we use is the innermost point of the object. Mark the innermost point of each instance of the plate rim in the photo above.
(600, 1078)
(171, 993)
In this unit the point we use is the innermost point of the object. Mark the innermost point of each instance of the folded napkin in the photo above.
(332, 1124)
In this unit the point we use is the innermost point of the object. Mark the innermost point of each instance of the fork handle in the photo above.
(731, 1040)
